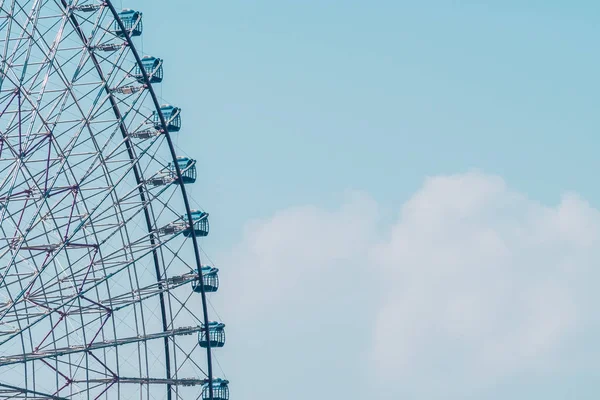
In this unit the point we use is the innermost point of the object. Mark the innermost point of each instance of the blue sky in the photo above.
(297, 103)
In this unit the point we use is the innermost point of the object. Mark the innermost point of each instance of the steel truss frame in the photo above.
(79, 225)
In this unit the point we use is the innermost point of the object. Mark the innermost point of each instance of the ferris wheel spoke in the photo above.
(13, 392)
(152, 381)
(75, 349)
(166, 285)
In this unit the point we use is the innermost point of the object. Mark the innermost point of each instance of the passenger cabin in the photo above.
(168, 175)
(220, 390)
(187, 166)
(210, 278)
(172, 118)
(132, 21)
(153, 67)
(200, 224)
(216, 333)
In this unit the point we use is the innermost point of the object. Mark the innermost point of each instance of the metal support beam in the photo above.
(53, 353)
(14, 392)
(149, 381)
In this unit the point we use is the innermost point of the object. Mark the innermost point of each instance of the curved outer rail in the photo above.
(124, 132)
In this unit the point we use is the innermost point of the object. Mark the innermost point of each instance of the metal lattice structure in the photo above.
(102, 291)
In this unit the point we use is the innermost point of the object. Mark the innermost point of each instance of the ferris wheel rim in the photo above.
(132, 157)
(188, 209)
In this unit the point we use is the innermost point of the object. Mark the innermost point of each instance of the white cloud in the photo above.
(484, 283)
(472, 285)
(292, 254)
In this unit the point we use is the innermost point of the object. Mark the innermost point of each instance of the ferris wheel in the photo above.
(102, 290)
